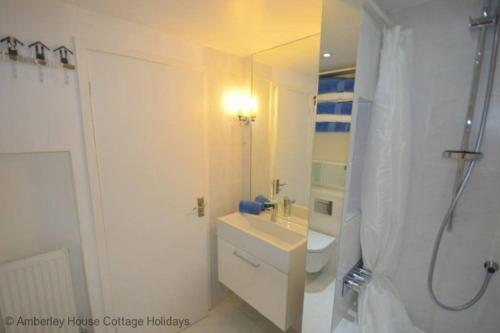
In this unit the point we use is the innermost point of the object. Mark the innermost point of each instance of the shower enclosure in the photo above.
(455, 108)
(468, 155)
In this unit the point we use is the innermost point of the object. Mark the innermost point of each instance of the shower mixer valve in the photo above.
(356, 278)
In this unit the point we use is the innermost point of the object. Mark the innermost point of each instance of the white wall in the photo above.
(331, 147)
(349, 246)
(36, 117)
(38, 213)
(40, 117)
(228, 149)
(261, 173)
(444, 53)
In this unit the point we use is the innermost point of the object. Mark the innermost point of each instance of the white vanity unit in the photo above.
(263, 262)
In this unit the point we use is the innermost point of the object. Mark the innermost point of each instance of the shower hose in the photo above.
(490, 267)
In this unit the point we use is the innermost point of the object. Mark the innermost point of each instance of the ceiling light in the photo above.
(327, 55)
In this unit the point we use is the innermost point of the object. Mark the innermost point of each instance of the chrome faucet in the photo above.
(277, 186)
(273, 208)
(287, 206)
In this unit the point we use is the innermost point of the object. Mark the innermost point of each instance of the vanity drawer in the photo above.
(259, 284)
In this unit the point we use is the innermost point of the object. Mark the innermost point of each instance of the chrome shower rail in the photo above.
(471, 108)
(467, 159)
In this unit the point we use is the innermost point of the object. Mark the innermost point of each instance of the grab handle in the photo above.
(248, 261)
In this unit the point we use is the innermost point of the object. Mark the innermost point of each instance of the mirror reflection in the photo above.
(300, 144)
(284, 82)
(336, 104)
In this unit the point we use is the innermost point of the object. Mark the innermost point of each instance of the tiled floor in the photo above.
(346, 326)
(234, 316)
(318, 303)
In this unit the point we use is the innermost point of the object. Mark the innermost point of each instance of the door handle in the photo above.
(201, 204)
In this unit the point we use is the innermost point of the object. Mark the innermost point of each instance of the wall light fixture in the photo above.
(242, 105)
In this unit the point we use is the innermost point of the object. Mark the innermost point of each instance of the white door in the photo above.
(293, 142)
(149, 133)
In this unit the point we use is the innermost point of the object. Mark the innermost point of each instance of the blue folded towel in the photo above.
(333, 127)
(344, 108)
(251, 207)
(262, 199)
(335, 84)
(266, 203)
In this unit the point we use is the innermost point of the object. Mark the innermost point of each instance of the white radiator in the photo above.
(37, 287)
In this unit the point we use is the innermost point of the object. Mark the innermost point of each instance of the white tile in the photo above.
(234, 316)
(346, 326)
(444, 49)
(486, 314)
(349, 246)
(227, 163)
(318, 304)
(491, 157)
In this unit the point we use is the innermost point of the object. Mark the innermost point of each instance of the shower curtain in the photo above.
(385, 187)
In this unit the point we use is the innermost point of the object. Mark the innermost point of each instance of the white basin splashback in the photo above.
(277, 243)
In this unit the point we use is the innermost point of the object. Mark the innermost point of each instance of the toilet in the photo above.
(326, 210)
(320, 248)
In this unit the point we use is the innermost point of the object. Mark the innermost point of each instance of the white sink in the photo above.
(263, 262)
(277, 243)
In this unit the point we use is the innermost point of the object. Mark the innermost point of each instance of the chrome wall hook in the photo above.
(39, 48)
(39, 56)
(64, 56)
(12, 43)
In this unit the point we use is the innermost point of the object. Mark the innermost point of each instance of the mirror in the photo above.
(301, 141)
(284, 82)
(335, 111)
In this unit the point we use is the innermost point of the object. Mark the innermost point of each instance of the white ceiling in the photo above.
(300, 56)
(341, 27)
(240, 27)
(392, 5)
(340, 32)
